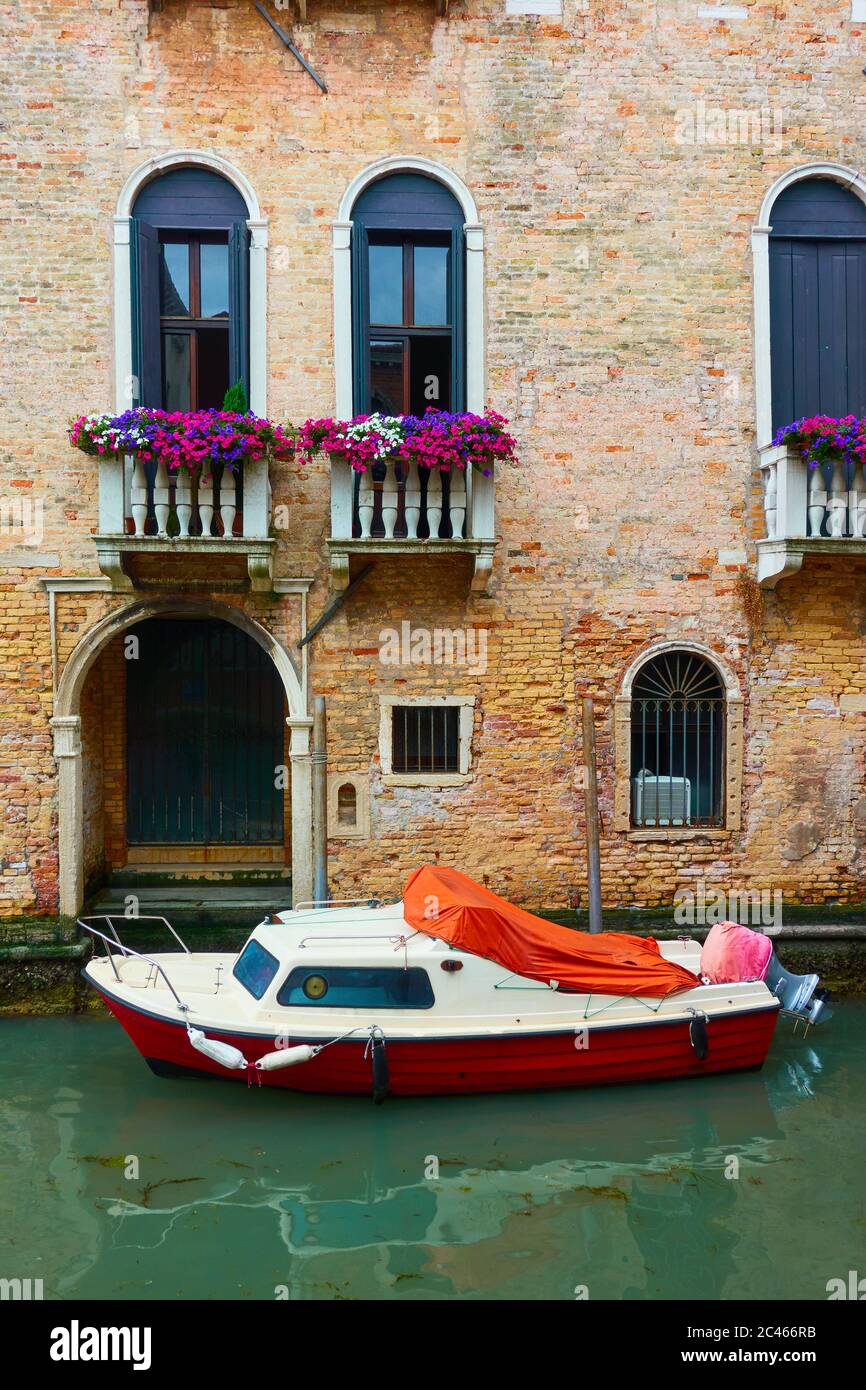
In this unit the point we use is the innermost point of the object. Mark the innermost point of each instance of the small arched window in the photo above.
(677, 742)
(817, 301)
(190, 298)
(347, 806)
(408, 274)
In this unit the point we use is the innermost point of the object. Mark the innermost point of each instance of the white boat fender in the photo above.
(379, 1064)
(224, 1053)
(699, 1034)
(287, 1057)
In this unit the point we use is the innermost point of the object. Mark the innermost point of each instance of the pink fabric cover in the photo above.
(732, 952)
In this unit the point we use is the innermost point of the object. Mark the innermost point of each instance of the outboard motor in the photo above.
(798, 994)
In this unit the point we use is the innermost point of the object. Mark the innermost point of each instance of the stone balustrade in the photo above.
(398, 508)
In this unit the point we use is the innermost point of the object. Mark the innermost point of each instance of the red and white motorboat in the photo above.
(452, 990)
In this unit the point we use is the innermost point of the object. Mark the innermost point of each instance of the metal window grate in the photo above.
(425, 738)
(677, 743)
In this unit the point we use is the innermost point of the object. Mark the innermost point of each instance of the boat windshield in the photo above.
(255, 968)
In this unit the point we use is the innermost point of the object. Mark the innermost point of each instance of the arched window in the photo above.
(817, 275)
(678, 742)
(347, 806)
(408, 296)
(190, 296)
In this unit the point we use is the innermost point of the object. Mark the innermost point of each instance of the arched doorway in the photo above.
(202, 670)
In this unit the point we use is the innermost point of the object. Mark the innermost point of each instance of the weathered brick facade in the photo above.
(619, 321)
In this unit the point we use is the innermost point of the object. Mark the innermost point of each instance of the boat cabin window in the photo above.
(255, 968)
(349, 987)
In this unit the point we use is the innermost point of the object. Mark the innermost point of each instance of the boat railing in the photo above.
(345, 902)
(109, 918)
(397, 938)
(114, 941)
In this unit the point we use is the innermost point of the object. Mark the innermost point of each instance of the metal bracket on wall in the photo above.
(287, 40)
(334, 605)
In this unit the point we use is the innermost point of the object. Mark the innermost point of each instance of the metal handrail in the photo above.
(345, 902)
(357, 936)
(128, 951)
(107, 917)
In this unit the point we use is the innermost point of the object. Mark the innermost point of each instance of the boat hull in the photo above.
(651, 1051)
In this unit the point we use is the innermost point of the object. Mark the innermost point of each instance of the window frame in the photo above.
(675, 709)
(192, 324)
(147, 225)
(361, 829)
(409, 226)
(733, 743)
(854, 181)
(465, 705)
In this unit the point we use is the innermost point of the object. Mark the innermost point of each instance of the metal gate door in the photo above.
(204, 737)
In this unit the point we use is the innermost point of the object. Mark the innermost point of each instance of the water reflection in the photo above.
(622, 1190)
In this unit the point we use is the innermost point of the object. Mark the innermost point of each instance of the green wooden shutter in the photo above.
(360, 320)
(458, 319)
(239, 306)
(146, 347)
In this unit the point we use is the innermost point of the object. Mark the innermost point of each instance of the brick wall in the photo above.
(619, 322)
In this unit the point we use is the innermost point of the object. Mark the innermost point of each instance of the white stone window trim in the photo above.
(342, 249)
(850, 178)
(360, 781)
(466, 705)
(533, 7)
(733, 773)
(258, 277)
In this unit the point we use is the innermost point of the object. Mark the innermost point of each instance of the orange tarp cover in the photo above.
(442, 902)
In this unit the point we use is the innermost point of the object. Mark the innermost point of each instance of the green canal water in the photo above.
(257, 1194)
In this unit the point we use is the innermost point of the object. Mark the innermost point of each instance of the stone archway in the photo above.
(66, 725)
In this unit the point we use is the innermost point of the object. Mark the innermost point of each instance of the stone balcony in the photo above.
(399, 511)
(820, 511)
(157, 529)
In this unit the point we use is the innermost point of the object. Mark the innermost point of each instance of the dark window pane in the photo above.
(425, 738)
(429, 374)
(174, 279)
(431, 284)
(213, 367)
(386, 284)
(176, 371)
(255, 968)
(350, 987)
(214, 280)
(386, 378)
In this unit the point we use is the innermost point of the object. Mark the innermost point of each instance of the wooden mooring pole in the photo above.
(590, 801)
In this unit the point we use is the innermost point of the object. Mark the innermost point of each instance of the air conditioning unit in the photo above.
(661, 800)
